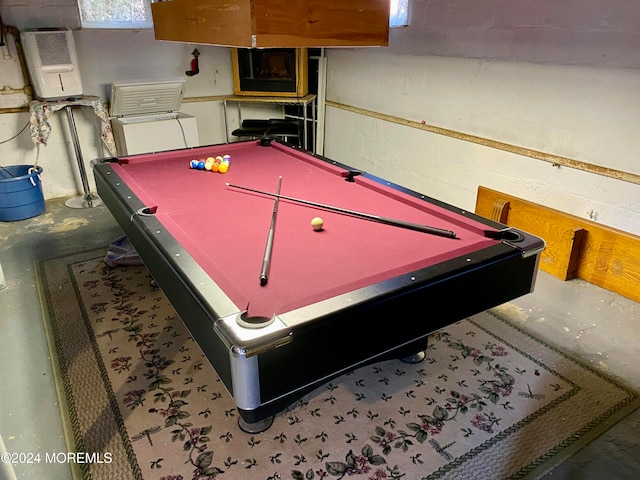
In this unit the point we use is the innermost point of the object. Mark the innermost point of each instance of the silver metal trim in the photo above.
(529, 245)
(245, 378)
(248, 342)
(245, 345)
(141, 212)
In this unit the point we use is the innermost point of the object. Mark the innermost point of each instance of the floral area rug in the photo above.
(141, 401)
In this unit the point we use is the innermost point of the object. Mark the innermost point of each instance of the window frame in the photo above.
(146, 24)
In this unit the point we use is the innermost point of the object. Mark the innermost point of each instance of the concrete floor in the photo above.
(595, 325)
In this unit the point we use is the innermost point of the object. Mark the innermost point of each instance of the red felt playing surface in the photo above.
(225, 229)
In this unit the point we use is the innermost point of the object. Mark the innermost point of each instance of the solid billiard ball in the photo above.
(223, 168)
(201, 165)
(317, 223)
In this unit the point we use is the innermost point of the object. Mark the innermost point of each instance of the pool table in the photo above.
(360, 290)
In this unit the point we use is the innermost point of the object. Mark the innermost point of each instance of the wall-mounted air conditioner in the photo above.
(52, 63)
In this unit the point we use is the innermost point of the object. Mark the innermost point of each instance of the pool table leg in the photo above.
(415, 358)
(256, 427)
(415, 353)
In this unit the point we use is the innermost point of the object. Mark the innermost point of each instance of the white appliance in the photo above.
(147, 117)
(52, 63)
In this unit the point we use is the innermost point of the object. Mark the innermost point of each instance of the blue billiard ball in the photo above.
(201, 165)
(193, 164)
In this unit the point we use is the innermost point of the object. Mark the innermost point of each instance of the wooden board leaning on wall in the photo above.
(576, 247)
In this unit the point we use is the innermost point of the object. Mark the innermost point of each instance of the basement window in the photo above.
(133, 14)
(399, 13)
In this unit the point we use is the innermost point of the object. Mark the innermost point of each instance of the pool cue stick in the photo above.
(366, 216)
(266, 262)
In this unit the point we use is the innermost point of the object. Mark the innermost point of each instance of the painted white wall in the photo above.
(590, 114)
(567, 32)
(558, 76)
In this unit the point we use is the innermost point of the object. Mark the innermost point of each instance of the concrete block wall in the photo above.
(589, 114)
(580, 32)
(557, 76)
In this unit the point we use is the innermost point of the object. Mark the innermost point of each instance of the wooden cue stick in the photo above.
(367, 216)
(266, 262)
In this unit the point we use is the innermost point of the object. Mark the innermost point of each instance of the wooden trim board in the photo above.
(576, 247)
(555, 160)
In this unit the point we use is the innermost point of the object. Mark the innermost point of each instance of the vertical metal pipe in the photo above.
(76, 147)
(86, 200)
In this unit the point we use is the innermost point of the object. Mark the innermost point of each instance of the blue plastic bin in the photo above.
(20, 192)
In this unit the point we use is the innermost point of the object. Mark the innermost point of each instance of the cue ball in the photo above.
(317, 223)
